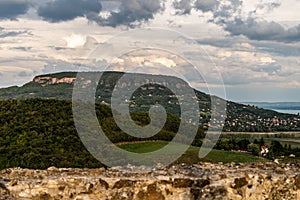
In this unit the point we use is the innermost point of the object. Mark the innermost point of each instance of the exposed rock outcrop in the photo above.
(201, 181)
(47, 80)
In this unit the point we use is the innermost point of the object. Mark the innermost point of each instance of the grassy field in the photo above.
(191, 155)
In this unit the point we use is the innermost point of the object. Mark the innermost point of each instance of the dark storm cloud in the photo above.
(131, 12)
(182, 7)
(11, 9)
(64, 10)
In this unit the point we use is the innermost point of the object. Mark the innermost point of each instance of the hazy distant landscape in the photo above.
(284, 107)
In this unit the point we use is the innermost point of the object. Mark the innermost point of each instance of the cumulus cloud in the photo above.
(183, 7)
(229, 15)
(63, 10)
(105, 13)
(262, 30)
(206, 5)
(11, 9)
(268, 6)
(131, 13)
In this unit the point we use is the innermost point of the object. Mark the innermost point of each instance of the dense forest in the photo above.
(40, 133)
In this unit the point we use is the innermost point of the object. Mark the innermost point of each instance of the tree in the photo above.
(254, 149)
(261, 142)
(276, 148)
(243, 144)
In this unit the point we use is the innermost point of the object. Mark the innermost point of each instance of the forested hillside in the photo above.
(241, 118)
(40, 133)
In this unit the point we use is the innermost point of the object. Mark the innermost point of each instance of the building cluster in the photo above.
(250, 122)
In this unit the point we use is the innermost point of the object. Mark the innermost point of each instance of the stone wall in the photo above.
(202, 181)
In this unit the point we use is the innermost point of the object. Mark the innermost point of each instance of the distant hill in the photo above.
(240, 117)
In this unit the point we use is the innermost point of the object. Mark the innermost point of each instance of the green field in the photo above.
(191, 155)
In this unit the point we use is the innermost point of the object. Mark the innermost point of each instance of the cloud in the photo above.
(131, 13)
(23, 48)
(229, 14)
(206, 5)
(24, 74)
(263, 30)
(270, 47)
(268, 6)
(218, 42)
(11, 9)
(64, 10)
(278, 49)
(231, 19)
(271, 69)
(12, 34)
(105, 13)
(183, 7)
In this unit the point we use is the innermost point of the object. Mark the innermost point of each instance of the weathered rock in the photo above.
(152, 193)
(297, 181)
(201, 181)
(5, 193)
(239, 182)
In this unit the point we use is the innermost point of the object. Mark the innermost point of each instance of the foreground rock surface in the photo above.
(202, 181)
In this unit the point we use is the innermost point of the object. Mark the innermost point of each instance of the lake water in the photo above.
(287, 111)
(282, 107)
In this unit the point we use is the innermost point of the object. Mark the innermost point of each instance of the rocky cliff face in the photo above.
(51, 80)
(202, 181)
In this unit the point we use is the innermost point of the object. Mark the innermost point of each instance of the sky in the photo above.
(250, 48)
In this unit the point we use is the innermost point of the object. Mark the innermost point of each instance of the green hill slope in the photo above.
(37, 133)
